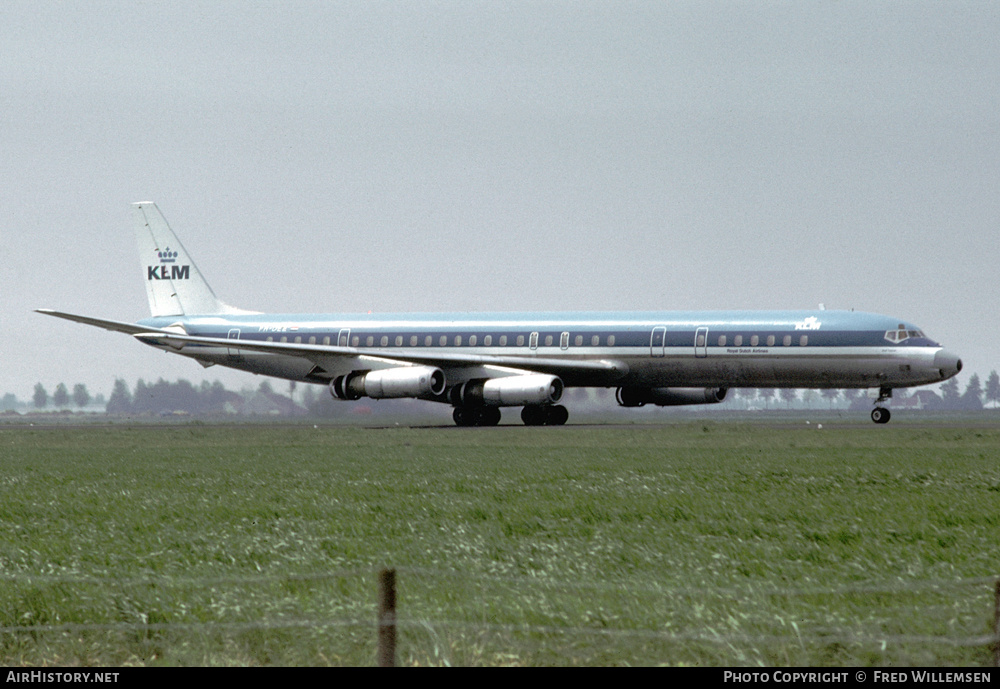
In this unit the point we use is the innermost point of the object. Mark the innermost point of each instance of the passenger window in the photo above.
(458, 340)
(355, 341)
(722, 340)
(326, 341)
(270, 339)
(488, 340)
(578, 340)
(413, 340)
(384, 341)
(503, 340)
(428, 340)
(611, 340)
(520, 340)
(787, 341)
(595, 340)
(803, 341)
(443, 340)
(312, 339)
(770, 340)
(284, 339)
(701, 341)
(548, 340)
(399, 340)
(472, 340)
(738, 340)
(754, 340)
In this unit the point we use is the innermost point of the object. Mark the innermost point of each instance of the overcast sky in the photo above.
(355, 156)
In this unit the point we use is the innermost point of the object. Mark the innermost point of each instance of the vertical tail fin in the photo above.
(174, 284)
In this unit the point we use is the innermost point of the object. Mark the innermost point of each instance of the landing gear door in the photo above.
(658, 341)
(701, 342)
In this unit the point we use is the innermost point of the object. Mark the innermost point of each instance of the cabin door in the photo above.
(701, 342)
(658, 341)
(234, 334)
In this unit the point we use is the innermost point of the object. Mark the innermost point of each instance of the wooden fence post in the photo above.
(387, 618)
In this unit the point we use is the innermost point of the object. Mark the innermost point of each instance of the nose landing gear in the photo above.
(880, 414)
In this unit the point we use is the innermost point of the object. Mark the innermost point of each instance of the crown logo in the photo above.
(167, 256)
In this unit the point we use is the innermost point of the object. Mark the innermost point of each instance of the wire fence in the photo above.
(448, 617)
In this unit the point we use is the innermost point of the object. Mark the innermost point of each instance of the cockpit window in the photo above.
(900, 335)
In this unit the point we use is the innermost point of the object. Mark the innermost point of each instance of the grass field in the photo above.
(705, 543)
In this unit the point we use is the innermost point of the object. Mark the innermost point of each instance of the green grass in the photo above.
(688, 544)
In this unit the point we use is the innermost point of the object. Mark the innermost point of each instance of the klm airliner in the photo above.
(479, 363)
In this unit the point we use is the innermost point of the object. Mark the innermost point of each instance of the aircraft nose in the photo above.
(947, 363)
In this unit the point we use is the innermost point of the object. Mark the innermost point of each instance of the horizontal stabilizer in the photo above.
(117, 326)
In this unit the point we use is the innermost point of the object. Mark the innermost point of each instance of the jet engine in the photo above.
(404, 381)
(669, 397)
(513, 391)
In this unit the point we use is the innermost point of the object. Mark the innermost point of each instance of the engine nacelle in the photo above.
(669, 397)
(513, 391)
(404, 381)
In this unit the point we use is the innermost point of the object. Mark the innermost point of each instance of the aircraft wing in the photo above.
(117, 326)
(612, 370)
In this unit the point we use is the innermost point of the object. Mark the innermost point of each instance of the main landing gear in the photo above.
(880, 414)
(476, 416)
(533, 415)
(552, 415)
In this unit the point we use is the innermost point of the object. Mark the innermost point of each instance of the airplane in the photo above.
(480, 363)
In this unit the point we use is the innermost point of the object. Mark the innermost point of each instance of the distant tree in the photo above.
(120, 401)
(789, 395)
(766, 394)
(60, 398)
(972, 398)
(992, 392)
(830, 394)
(9, 401)
(80, 395)
(949, 393)
(850, 394)
(142, 401)
(265, 387)
(219, 395)
(41, 397)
